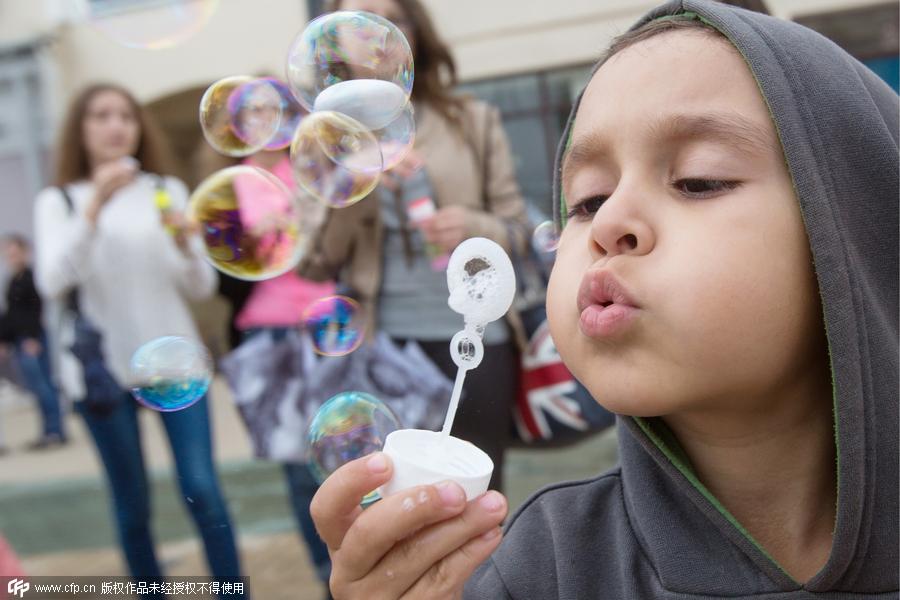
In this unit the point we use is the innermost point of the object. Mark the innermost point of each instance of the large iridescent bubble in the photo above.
(344, 46)
(348, 426)
(148, 25)
(335, 158)
(397, 137)
(252, 226)
(170, 373)
(291, 114)
(240, 115)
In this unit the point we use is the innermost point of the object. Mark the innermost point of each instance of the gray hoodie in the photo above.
(648, 529)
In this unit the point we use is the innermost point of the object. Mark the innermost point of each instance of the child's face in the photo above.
(677, 188)
(15, 256)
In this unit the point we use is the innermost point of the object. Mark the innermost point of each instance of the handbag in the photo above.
(551, 408)
(102, 393)
(279, 383)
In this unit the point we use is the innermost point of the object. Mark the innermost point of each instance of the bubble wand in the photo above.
(482, 284)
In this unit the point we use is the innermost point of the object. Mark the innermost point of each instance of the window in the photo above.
(534, 108)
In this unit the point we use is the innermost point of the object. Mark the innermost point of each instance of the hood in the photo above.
(838, 126)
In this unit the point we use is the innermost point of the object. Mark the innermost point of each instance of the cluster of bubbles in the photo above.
(170, 373)
(354, 72)
(344, 112)
(345, 115)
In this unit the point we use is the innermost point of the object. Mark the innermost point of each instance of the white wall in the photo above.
(242, 36)
(496, 37)
(488, 37)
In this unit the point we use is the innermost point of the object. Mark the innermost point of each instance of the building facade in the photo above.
(529, 57)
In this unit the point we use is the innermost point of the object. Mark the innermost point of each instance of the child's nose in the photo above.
(614, 233)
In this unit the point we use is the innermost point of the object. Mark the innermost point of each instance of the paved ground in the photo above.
(54, 508)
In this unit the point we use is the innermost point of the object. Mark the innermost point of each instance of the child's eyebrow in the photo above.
(729, 128)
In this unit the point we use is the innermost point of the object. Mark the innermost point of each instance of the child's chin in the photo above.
(630, 404)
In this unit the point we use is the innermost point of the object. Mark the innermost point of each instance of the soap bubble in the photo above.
(239, 115)
(545, 237)
(154, 25)
(291, 114)
(170, 373)
(397, 138)
(348, 426)
(335, 158)
(372, 102)
(348, 45)
(336, 324)
(252, 226)
(481, 280)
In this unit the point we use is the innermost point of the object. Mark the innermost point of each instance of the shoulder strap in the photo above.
(68, 199)
(72, 296)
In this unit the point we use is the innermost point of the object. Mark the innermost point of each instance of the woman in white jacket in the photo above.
(112, 229)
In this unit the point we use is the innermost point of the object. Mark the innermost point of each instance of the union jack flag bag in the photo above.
(552, 407)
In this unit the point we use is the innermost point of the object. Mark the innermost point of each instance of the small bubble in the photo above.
(170, 373)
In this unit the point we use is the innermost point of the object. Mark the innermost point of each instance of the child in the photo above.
(22, 328)
(728, 181)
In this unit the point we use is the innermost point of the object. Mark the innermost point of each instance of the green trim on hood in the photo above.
(665, 440)
(657, 431)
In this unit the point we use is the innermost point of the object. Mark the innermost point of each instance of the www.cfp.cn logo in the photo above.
(17, 587)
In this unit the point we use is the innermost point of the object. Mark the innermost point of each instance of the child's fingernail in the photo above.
(490, 534)
(377, 463)
(491, 501)
(451, 494)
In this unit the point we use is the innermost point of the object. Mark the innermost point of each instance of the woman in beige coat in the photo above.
(461, 159)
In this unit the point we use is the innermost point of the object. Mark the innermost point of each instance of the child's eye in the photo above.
(703, 188)
(586, 208)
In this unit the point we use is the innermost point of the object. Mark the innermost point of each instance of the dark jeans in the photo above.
(302, 487)
(118, 441)
(39, 380)
(489, 391)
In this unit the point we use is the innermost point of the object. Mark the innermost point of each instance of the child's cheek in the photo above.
(561, 305)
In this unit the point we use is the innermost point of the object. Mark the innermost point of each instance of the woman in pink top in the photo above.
(277, 302)
(273, 308)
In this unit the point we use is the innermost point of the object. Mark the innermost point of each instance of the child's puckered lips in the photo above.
(606, 306)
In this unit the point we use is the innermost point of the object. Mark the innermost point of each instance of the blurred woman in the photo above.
(392, 260)
(112, 229)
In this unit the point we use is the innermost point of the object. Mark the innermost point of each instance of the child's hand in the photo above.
(423, 542)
